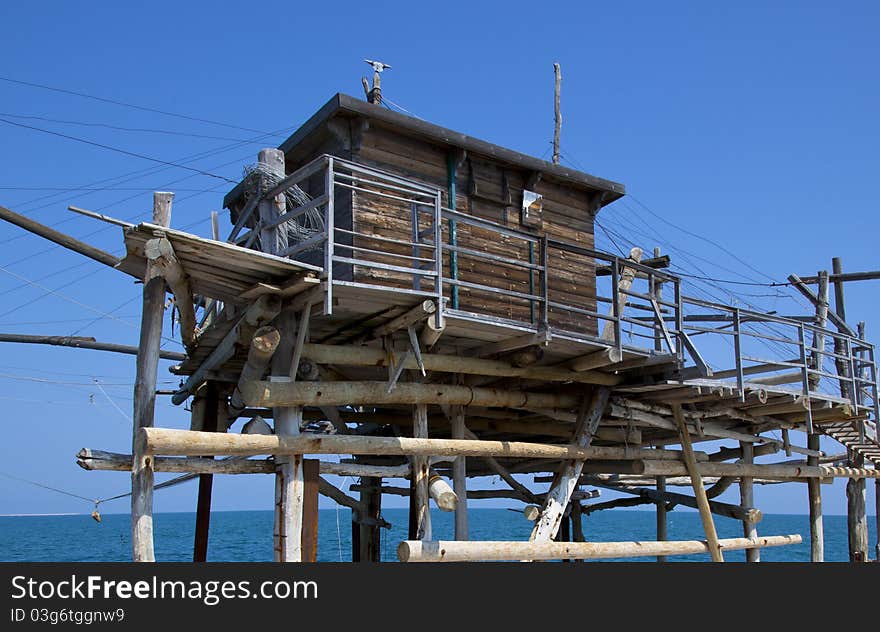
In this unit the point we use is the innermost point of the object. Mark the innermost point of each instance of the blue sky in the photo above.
(752, 123)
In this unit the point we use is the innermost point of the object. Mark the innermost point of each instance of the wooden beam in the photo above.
(263, 346)
(166, 441)
(273, 238)
(452, 551)
(699, 491)
(145, 395)
(657, 262)
(81, 342)
(269, 394)
(596, 360)
(351, 355)
(417, 314)
(665, 498)
(835, 318)
(566, 480)
(260, 312)
(59, 238)
(524, 493)
(160, 254)
(846, 277)
(662, 527)
(541, 339)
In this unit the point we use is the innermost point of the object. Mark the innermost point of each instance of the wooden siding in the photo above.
(489, 190)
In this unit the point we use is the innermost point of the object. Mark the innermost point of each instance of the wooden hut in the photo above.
(430, 307)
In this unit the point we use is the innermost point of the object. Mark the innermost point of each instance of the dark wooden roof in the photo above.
(347, 106)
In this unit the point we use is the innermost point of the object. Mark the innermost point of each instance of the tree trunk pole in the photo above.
(210, 422)
(459, 476)
(817, 528)
(747, 500)
(662, 533)
(145, 395)
(420, 501)
(697, 482)
(289, 478)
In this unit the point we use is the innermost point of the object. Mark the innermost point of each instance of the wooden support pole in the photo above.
(662, 533)
(420, 501)
(817, 529)
(624, 283)
(351, 355)
(289, 481)
(818, 341)
(369, 530)
(160, 254)
(567, 478)
(747, 500)
(524, 493)
(735, 512)
(856, 513)
(82, 342)
(269, 394)
(272, 240)
(452, 551)
(145, 396)
(60, 238)
(699, 490)
(263, 346)
(210, 422)
(459, 475)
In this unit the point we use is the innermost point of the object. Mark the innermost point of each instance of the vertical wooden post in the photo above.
(309, 539)
(557, 110)
(459, 476)
(564, 533)
(145, 395)
(289, 478)
(856, 513)
(690, 463)
(623, 284)
(420, 502)
(817, 528)
(661, 515)
(818, 342)
(272, 240)
(657, 293)
(856, 491)
(747, 500)
(210, 422)
(369, 532)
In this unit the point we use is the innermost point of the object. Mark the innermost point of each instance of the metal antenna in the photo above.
(374, 95)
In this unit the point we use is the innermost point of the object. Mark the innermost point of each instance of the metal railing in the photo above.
(538, 278)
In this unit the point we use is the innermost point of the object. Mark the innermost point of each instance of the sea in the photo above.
(246, 536)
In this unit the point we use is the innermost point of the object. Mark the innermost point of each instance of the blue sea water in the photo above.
(246, 536)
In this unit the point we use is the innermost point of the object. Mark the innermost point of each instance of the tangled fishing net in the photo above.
(259, 178)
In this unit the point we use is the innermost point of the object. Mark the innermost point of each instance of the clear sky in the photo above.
(753, 124)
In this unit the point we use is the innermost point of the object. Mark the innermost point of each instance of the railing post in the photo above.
(805, 376)
(438, 256)
(679, 319)
(737, 349)
(615, 302)
(545, 283)
(331, 229)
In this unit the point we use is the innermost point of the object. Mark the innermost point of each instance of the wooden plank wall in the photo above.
(492, 191)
